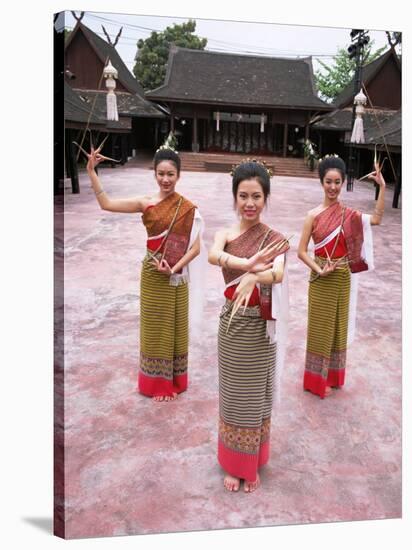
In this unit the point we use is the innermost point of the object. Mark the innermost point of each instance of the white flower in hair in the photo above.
(170, 143)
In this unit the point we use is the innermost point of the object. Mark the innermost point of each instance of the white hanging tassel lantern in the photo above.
(357, 132)
(217, 121)
(110, 73)
(262, 123)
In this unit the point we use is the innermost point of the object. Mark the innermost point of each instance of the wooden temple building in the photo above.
(140, 121)
(227, 104)
(382, 120)
(224, 102)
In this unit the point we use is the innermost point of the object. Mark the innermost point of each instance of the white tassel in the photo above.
(357, 132)
(262, 123)
(178, 279)
(271, 331)
(111, 102)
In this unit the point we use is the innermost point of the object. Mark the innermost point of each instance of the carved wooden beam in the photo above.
(78, 18)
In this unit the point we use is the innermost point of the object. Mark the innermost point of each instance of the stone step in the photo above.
(222, 163)
(214, 162)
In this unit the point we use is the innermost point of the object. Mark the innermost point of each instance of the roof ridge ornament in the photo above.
(78, 17)
(109, 40)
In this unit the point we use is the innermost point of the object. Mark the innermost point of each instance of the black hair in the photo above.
(331, 163)
(167, 154)
(250, 170)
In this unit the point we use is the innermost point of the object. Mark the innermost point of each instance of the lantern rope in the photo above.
(382, 132)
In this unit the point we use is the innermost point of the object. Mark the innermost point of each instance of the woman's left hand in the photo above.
(377, 177)
(162, 266)
(244, 291)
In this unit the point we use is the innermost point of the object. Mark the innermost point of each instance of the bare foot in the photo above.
(251, 486)
(171, 397)
(231, 483)
(328, 391)
(165, 397)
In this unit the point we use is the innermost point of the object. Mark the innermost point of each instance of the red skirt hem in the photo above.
(315, 383)
(242, 465)
(157, 387)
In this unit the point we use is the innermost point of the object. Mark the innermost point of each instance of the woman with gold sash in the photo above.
(343, 247)
(174, 228)
(250, 350)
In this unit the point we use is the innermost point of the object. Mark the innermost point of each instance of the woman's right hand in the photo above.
(94, 159)
(329, 267)
(262, 260)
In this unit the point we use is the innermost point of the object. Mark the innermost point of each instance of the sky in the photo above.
(277, 40)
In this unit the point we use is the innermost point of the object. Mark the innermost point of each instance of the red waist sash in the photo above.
(154, 244)
(340, 250)
(254, 299)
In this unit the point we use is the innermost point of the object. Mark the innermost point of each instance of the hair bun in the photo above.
(331, 162)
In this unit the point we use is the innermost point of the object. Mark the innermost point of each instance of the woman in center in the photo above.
(252, 258)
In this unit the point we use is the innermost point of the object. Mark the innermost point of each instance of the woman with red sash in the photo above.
(343, 247)
(250, 350)
(174, 228)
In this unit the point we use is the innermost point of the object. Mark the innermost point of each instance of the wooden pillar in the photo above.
(398, 185)
(307, 131)
(195, 141)
(114, 139)
(320, 144)
(72, 164)
(156, 134)
(285, 139)
(172, 120)
(67, 141)
(123, 143)
(204, 134)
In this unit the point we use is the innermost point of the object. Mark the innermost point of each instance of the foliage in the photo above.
(337, 76)
(309, 153)
(153, 53)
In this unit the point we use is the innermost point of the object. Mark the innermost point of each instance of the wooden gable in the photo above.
(84, 62)
(385, 87)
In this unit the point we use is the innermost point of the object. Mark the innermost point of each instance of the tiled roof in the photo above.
(127, 104)
(75, 110)
(232, 79)
(375, 122)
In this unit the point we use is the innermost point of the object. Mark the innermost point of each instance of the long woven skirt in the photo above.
(163, 334)
(246, 385)
(328, 315)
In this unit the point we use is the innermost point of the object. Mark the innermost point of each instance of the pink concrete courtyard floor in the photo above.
(134, 466)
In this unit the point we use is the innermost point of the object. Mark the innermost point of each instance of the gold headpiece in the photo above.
(162, 147)
(328, 156)
(261, 162)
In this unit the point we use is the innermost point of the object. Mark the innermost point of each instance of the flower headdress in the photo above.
(333, 155)
(261, 162)
(170, 143)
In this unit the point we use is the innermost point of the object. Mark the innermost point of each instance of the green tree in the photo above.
(334, 78)
(152, 53)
